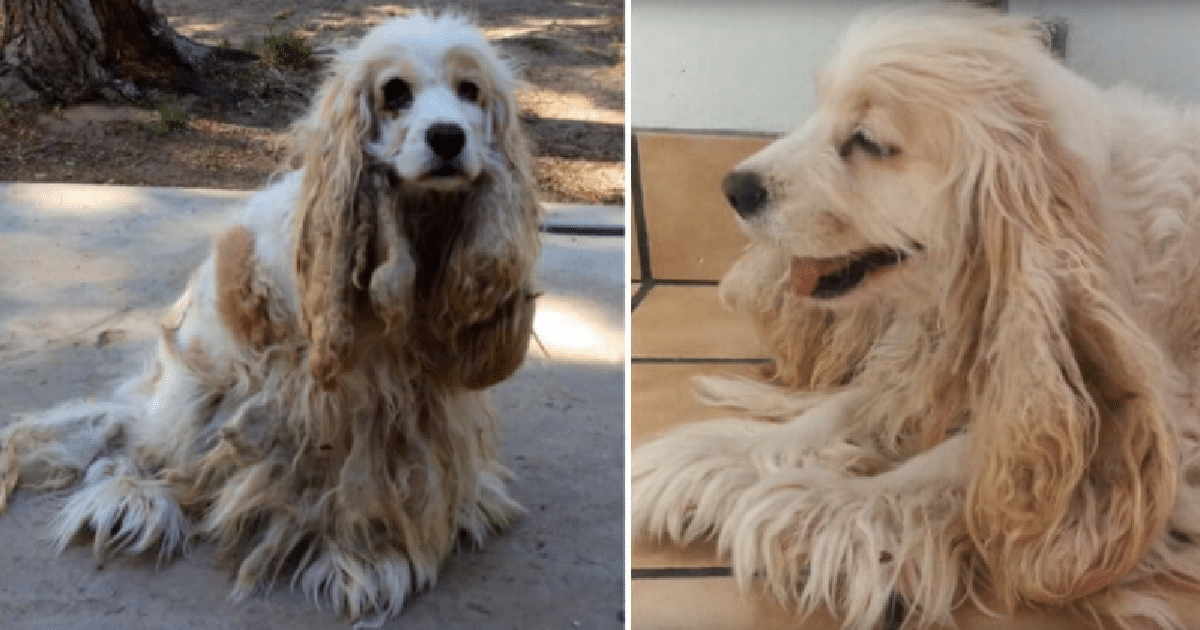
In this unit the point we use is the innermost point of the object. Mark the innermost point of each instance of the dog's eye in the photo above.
(397, 94)
(860, 140)
(468, 91)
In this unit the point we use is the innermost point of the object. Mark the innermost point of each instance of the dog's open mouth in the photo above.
(445, 169)
(827, 278)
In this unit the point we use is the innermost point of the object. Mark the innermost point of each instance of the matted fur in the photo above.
(1008, 416)
(315, 407)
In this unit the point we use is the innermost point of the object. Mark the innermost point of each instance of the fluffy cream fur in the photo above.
(1008, 413)
(315, 406)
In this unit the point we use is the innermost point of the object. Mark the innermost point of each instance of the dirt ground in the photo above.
(571, 54)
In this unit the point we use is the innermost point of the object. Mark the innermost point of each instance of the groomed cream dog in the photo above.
(315, 406)
(979, 276)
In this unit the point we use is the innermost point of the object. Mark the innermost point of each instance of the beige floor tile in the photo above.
(662, 395)
(664, 555)
(1022, 620)
(707, 604)
(689, 322)
(716, 604)
(662, 398)
(693, 233)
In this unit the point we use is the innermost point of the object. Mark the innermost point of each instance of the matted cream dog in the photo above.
(316, 404)
(979, 276)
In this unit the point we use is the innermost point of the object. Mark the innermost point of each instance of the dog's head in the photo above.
(426, 97)
(950, 173)
(414, 166)
(439, 97)
(876, 187)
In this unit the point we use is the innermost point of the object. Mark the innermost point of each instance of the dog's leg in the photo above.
(684, 484)
(494, 509)
(817, 538)
(359, 526)
(122, 500)
(345, 561)
(51, 450)
(360, 572)
(759, 399)
(125, 501)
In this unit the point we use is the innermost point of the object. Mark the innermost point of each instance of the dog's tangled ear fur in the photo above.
(485, 299)
(1075, 469)
(503, 122)
(334, 232)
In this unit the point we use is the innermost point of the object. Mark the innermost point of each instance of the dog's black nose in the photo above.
(745, 192)
(446, 139)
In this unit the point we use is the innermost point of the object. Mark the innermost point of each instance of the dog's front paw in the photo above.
(358, 587)
(683, 484)
(124, 511)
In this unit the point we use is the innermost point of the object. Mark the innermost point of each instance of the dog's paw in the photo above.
(819, 540)
(124, 512)
(493, 510)
(683, 484)
(356, 586)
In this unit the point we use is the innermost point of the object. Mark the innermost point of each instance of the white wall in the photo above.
(744, 66)
(1154, 44)
(748, 66)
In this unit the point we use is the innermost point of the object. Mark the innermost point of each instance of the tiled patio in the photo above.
(685, 237)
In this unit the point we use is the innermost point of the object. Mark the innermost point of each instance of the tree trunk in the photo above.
(65, 51)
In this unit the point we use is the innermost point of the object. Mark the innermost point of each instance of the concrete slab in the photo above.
(571, 214)
(87, 270)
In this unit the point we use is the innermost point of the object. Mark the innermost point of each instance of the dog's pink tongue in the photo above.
(806, 273)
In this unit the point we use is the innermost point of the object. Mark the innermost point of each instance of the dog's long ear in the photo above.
(1075, 465)
(332, 233)
(485, 302)
(504, 131)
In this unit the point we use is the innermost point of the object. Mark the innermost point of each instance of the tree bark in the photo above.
(66, 51)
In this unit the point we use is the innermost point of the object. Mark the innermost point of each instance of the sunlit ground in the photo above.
(574, 332)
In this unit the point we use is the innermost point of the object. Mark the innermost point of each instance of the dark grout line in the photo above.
(666, 573)
(643, 288)
(583, 230)
(697, 360)
(639, 213)
(686, 283)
